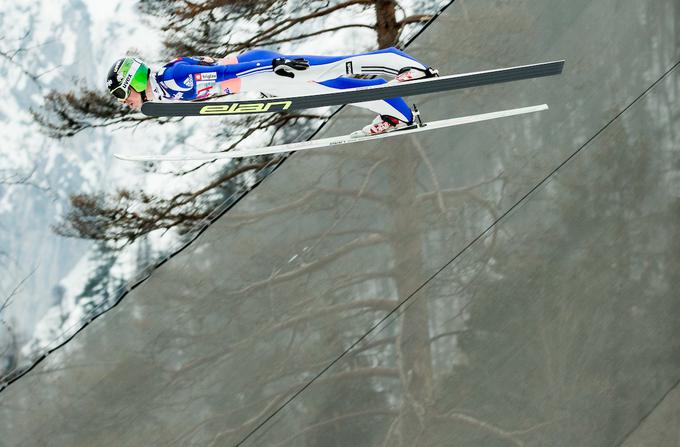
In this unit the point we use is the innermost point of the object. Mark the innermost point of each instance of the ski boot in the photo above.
(412, 73)
(381, 124)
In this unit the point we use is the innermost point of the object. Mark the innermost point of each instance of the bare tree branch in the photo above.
(11, 57)
(8, 299)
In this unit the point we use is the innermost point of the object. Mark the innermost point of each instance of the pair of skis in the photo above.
(385, 91)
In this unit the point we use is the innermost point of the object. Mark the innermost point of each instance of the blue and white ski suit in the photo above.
(189, 78)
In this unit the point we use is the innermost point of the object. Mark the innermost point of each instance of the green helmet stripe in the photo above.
(131, 72)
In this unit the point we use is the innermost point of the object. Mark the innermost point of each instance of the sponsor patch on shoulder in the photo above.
(209, 76)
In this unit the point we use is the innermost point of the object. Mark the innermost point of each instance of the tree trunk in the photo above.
(386, 23)
(413, 340)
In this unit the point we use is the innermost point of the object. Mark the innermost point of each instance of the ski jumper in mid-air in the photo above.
(132, 82)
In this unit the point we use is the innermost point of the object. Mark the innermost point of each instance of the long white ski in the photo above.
(332, 141)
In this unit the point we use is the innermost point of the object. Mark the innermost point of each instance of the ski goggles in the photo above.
(120, 93)
(123, 90)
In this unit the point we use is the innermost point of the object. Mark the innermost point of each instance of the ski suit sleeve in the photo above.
(221, 72)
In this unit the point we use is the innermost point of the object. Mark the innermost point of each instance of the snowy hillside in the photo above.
(56, 42)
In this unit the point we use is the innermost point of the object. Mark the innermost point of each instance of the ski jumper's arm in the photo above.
(231, 59)
(215, 79)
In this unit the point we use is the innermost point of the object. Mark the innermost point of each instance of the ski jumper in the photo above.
(189, 78)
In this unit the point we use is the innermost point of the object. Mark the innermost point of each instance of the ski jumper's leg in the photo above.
(386, 62)
(273, 84)
(395, 107)
(380, 63)
(322, 68)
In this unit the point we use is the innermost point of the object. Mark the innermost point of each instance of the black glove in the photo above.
(287, 67)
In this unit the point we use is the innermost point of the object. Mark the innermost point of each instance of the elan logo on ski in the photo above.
(260, 107)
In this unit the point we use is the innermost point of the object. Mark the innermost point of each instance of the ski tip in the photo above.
(127, 157)
(180, 157)
(151, 109)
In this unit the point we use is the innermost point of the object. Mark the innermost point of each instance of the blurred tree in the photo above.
(101, 289)
(10, 351)
(380, 393)
(13, 56)
(553, 348)
(127, 215)
(221, 27)
(67, 113)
